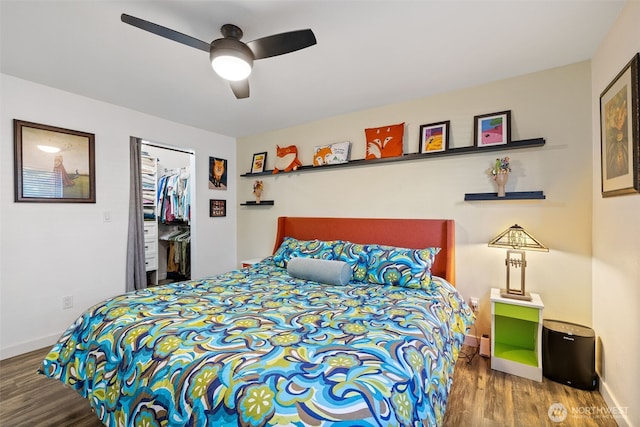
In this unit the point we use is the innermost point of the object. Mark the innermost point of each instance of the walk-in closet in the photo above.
(167, 191)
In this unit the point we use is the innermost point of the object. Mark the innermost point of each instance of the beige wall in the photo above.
(616, 243)
(552, 104)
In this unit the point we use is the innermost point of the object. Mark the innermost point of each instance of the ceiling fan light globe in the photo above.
(231, 59)
(231, 67)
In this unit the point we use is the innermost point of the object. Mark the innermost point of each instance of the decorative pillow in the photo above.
(385, 141)
(409, 268)
(332, 154)
(319, 249)
(389, 265)
(286, 159)
(356, 257)
(320, 270)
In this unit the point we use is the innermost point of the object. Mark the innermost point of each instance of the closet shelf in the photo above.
(515, 195)
(525, 143)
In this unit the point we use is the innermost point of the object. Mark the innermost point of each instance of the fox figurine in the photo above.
(286, 159)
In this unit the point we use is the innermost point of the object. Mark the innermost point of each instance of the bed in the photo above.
(269, 345)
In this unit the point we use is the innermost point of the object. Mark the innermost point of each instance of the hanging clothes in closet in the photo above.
(178, 264)
(174, 199)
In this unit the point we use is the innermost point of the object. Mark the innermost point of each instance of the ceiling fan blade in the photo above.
(279, 44)
(240, 88)
(165, 32)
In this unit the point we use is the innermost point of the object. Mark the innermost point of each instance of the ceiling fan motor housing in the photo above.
(231, 51)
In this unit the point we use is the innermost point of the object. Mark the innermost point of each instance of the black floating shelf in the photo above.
(525, 143)
(515, 195)
(262, 203)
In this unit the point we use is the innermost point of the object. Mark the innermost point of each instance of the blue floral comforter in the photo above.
(256, 347)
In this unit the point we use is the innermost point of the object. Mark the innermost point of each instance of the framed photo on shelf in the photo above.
(259, 162)
(434, 137)
(492, 129)
(52, 164)
(619, 127)
(217, 208)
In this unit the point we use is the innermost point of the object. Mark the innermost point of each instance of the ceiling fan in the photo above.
(230, 58)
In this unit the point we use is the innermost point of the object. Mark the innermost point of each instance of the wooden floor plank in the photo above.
(479, 396)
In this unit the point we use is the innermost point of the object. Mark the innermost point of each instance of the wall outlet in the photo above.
(67, 302)
(473, 302)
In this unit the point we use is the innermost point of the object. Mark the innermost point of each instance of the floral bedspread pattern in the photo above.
(256, 347)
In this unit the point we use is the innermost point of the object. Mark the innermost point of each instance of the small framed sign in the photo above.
(217, 207)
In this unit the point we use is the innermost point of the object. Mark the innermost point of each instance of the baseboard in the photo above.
(27, 346)
(620, 411)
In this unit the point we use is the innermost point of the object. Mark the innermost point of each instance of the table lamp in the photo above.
(516, 239)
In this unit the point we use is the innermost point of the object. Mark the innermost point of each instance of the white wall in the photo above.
(52, 250)
(553, 104)
(616, 243)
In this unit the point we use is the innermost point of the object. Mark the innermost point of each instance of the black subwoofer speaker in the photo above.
(569, 354)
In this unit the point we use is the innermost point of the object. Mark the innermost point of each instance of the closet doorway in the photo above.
(167, 197)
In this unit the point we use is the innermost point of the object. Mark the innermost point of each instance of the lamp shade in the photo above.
(231, 59)
(516, 237)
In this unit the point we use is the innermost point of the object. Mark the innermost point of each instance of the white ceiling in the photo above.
(369, 53)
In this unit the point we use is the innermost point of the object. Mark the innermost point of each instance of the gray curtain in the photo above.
(136, 274)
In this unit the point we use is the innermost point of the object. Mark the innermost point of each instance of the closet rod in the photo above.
(167, 148)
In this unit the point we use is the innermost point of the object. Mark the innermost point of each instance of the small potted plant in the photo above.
(500, 173)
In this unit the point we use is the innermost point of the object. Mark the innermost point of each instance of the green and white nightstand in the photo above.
(516, 335)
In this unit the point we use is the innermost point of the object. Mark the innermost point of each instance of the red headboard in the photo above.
(406, 233)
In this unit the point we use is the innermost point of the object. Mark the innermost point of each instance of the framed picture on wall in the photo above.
(434, 137)
(217, 208)
(52, 164)
(217, 173)
(619, 126)
(258, 162)
(492, 129)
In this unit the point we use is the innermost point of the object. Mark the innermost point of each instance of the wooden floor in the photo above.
(482, 397)
(479, 397)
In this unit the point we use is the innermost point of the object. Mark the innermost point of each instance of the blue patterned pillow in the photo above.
(319, 249)
(355, 255)
(409, 268)
(389, 265)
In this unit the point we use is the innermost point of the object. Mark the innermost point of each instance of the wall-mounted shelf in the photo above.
(516, 195)
(525, 143)
(262, 203)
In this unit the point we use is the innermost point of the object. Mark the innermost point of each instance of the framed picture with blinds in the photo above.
(53, 164)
